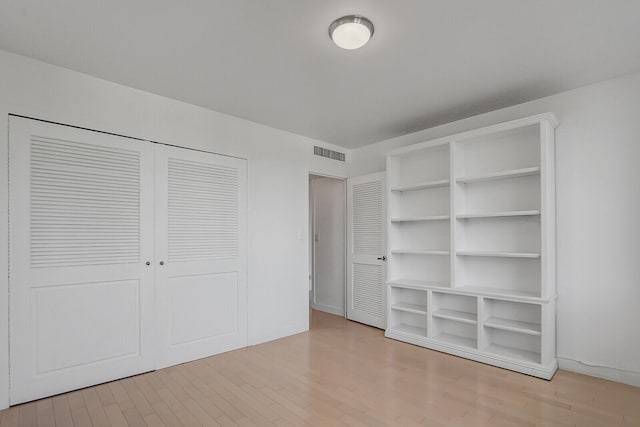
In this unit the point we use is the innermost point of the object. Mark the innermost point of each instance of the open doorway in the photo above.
(327, 225)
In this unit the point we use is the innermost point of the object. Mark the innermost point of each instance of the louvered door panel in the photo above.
(201, 240)
(81, 229)
(203, 211)
(368, 218)
(84, 204)
(366, 249)
(367, 292)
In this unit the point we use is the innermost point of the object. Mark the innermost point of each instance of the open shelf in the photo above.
(513, 326)
(409, 307)
(418, 252)
(421, 218)
(499, 254)
(422, 185)
(418, 283)
(513, 173)
(458, 316)
(514, 353)
(498, 214)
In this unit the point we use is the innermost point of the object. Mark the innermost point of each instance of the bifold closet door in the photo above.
(81, 233)
(201, 262)
(366, 242)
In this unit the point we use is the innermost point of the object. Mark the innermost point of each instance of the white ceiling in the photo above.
(272, 62)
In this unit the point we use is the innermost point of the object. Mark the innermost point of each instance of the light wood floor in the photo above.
(339, 373)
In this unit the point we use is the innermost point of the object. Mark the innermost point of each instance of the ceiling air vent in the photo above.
(329, 154)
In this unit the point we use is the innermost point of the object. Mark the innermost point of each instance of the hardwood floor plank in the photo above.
(62, 411)
(44, 409)
(94, 408)
(115, 416)
(81, 417)
(139, 401)
(153, 420)
(28, 415)
(133, 417)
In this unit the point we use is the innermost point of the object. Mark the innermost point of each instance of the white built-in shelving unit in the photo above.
(472, 245)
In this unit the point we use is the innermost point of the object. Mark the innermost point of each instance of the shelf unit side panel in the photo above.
(548, 345)
(453, 233)
(391, 179)
(548, 210)
(482, 335)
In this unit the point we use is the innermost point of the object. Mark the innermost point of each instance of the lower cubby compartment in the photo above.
(514, 345)
(408, 323)
(455, 332)
(409, 300)
(461, 308)
(512, 316)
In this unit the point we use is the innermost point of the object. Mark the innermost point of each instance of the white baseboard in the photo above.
(605, 372)
(338, 311)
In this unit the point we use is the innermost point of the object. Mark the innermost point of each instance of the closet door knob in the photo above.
(148, 262)
(383, 258)
(161, 262)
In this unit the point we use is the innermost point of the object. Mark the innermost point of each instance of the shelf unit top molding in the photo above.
(513, 124)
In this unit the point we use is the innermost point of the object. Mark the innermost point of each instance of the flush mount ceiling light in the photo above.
(351, 32)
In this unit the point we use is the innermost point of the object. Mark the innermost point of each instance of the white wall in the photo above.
(329, 214)
(279, 164)
(598, 219)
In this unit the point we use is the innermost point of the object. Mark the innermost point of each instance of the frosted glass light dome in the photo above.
(351, 32)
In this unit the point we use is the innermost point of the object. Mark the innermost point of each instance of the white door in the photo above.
(201, 262)
(366, 242)
(81, 233)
